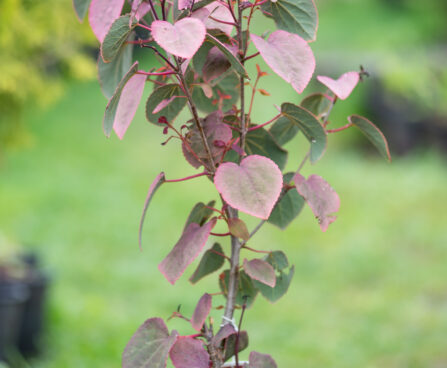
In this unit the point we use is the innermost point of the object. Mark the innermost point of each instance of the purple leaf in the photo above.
(182, 38)
(260, 270)
(289, 56)
(189, 353)
(186, 250)
(217, 11)
(101, 15)
(158, 181)
(253, 187)
(215, 65)
(258, 360)
(238, 228)
(149, 346)
(223, 333)
(139, 10)
(322, 199)
(343, 86)
(128, 104)
(184, 4)
(202, 310)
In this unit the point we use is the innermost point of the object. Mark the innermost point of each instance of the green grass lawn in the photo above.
(370, 292)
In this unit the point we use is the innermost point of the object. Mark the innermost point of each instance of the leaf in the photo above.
(200, 213)
(252, 187)
(230, 344)
(110, 115)
(188, 352)
(261, 142)
(258, 360)
(321, 197)
(101, 15)
(215, 65)
(210, 262)
(282, 285)
(118, 33)
(246, 291)
(217, 11)
(170, 111)
(288, 207)
(110, 74)
(223, 333)
(186, 250)
(201, 55)
(238, 228)
(261, 271)
(230, 55)
(317, 103)
(228, 85)
(215, 131)
(372, 133)
(202, 310)
(158, 181)
(283, 130)
(278, 260)
(149, 346)
(81, 7)
(343, 86)
(289, 56)
(310, 126)
(180, 39)
(294, 16)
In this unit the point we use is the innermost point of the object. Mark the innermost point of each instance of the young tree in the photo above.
(202, 48)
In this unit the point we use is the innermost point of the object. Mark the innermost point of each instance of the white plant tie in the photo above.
(231, 321)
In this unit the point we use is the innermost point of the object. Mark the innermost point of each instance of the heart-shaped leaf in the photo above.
(211, 261)
(171, 110)
(202, 310)
(258, 360)
(116, 36)
(252, 187)
(295, 16)
(261, 271)
(182, 38)
(289, 56)
(372, 133)
(124, 102)
(101, 15)
(188, 352)
(343, 86)
(223, 333)
(322, 199)
(158, 181)
(186, 250)
(81, 7)
(283, 280)
(278, 260)
(310, 126)
(149, 346)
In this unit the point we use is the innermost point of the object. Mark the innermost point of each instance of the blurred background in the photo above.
(370, 292)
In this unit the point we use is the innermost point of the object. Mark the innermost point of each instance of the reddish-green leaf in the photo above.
(372, 133)
(238, 228)
(149, 346)
(289, 56)
(258, 360)
(230, 344)
(321, 197)
(252, 187)
(211, 261)
(158, 181)
(200, 213)
(171, 110)
(186, 250)
(182, 38)
(283, 280)
(188, 353)
(202, 310)
(223, 333)
(261, 271)
(246, 291)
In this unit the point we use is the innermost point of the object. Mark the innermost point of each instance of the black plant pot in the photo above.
(33, 311)
(13, 295)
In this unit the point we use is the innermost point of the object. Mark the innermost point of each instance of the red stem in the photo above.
(187, 178)
(221, 21)
(145, 27)
(256, 250)
(263, 125)
(217, 234)
(170, 72)
(220, 254)
(251, 56)
(344, 127)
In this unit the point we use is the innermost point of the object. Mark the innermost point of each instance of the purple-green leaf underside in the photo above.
(188, 353)
(158, 181)
(185, 250)
(202, 310)
(258, 360)
(149, 346)
(261, 271)
(372, 133)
